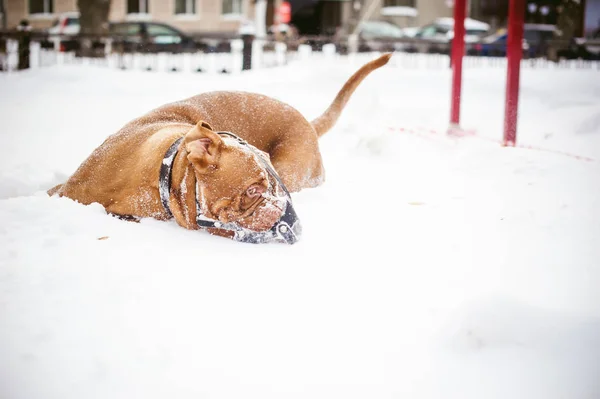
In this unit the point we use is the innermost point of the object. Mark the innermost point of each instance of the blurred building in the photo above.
(550, 12)
(326, 17)
(408, 13)
(316, 17)
(2, 15)
(188, 15)
(591, 19)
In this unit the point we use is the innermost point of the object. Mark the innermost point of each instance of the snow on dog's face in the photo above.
(234, 185)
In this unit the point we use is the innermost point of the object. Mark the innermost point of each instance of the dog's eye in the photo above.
(255, 190)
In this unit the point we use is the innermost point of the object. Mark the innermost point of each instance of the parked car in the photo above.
(493, 45)
(535, 41)
(379, 36)
(65, 24)
(62, 31)
(376, 35)
(442, 30)
(592, 45)
(410, 31)
(581, 48)
(437, 35)
(130, 36)
(151, 37)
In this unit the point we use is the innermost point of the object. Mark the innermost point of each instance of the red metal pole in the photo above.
(514, 51)
(458, 49)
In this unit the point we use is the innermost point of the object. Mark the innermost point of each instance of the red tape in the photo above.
(457, 132)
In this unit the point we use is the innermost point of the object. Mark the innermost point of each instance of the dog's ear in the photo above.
(206, 125)
(203, 146)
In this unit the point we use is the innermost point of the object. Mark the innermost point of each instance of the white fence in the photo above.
(196, 62)
(232, 62)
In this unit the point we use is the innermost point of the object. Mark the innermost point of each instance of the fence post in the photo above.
(24, 39)
(280, 53)
(329, 50)
(237, 46)
(353, 44)
(304, 52)
(247, 52)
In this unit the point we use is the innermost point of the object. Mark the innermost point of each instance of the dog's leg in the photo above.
(54, 189)
(127, 218)
(299, 164)
(295, 178)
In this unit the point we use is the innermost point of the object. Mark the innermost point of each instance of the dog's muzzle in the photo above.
(287, 229)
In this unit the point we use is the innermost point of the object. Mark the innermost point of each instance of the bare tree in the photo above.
(93, 19)
(568, 19)
(2, 15)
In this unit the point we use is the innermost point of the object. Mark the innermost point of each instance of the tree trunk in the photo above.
(93, 19)
(568, 18)
(2, 15)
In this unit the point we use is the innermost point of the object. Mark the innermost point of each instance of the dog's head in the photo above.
(234, 183)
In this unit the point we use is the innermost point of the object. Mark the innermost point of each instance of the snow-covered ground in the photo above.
(430, 267)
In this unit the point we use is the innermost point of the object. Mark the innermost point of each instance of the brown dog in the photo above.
(212, 175)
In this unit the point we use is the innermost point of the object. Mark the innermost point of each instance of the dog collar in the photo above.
(287, 229)
(164, 179)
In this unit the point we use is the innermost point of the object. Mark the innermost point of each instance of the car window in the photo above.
(442, 30)
(160, 30)
(163, 34)
(532, 36)
(497, 39)
(428, 31)
(72, 21)
(547, 35)
(125, 29)
(380, 29)
(475, 32)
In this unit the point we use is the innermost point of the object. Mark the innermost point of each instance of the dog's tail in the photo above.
(326, 121)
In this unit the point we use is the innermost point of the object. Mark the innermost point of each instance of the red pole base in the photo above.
(514, 51)
(458, 49)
